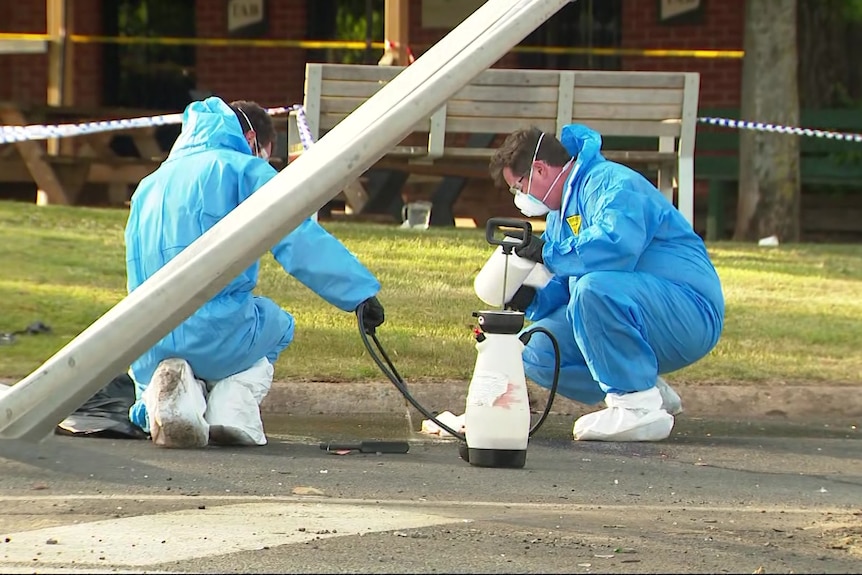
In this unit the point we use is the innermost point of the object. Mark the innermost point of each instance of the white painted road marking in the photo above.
(62, 570)
(196, 533)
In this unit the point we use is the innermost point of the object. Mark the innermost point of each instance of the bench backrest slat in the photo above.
(628, 96)
(651, 80)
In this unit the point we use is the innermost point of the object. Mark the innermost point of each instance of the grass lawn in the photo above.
(794, 313)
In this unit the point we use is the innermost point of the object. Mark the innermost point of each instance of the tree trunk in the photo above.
(769, 183)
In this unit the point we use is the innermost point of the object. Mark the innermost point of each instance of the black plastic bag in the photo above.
(106, 414)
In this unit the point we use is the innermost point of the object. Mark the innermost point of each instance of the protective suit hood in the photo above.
(586, 145)
(207, 125)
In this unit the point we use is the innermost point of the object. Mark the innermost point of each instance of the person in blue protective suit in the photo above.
(633, 294)
(204, 381)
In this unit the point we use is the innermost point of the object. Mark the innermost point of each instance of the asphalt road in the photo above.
(718, 496)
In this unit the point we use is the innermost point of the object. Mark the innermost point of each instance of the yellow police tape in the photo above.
(179, 41)
(358, 45)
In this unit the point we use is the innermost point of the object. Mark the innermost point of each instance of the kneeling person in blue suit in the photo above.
(205, 380)
(634, 293)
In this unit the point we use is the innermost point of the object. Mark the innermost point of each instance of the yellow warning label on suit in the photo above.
(574, 223)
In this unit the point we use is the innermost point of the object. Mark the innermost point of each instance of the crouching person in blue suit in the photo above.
(634, 293)
(205, 380)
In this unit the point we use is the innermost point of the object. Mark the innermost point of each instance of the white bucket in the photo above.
(416, 215)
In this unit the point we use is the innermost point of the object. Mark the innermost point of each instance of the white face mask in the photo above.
(530, 206)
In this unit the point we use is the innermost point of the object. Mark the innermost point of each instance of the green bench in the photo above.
(824, 162)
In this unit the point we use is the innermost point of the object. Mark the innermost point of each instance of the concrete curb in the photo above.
(791, 402)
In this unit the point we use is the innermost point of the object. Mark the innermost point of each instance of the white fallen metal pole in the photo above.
(32, 408)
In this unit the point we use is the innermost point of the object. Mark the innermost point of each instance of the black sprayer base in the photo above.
(512, 458)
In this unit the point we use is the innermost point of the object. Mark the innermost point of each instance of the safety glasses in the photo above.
(516, 187)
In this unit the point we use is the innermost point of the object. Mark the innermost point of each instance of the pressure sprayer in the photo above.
(497, 415)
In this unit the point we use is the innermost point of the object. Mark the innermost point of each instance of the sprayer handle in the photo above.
(525, 234)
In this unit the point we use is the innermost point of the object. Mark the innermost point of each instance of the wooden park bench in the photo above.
(647, 120)
(824, 163)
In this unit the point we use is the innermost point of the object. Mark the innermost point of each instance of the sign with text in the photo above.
(680, 11)
(246, 18)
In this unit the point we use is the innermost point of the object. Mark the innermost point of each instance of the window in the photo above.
(345, 20)
(149, 76)
(583, 24)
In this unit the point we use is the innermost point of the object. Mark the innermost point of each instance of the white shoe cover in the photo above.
(670, 400)
(634, 416)
(233, 406)
(175, 406)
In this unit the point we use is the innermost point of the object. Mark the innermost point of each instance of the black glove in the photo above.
(522, 299)
(533, 250)
(372, 314)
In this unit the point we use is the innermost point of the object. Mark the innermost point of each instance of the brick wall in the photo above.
(88, 57)
(720, 79)
(722, 29)
(270, 76)
(274, 76)
(24, 77)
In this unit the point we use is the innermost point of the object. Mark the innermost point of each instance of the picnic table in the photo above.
(61, 168)
(115, 160)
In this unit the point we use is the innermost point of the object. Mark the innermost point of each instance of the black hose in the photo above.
(392, 374)
(525, 337)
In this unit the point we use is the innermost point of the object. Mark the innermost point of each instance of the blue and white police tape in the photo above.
(12, 134)
(305, 137)
(764, 127)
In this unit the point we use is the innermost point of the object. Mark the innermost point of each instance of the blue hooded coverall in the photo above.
(634, 292)
(210, 171)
